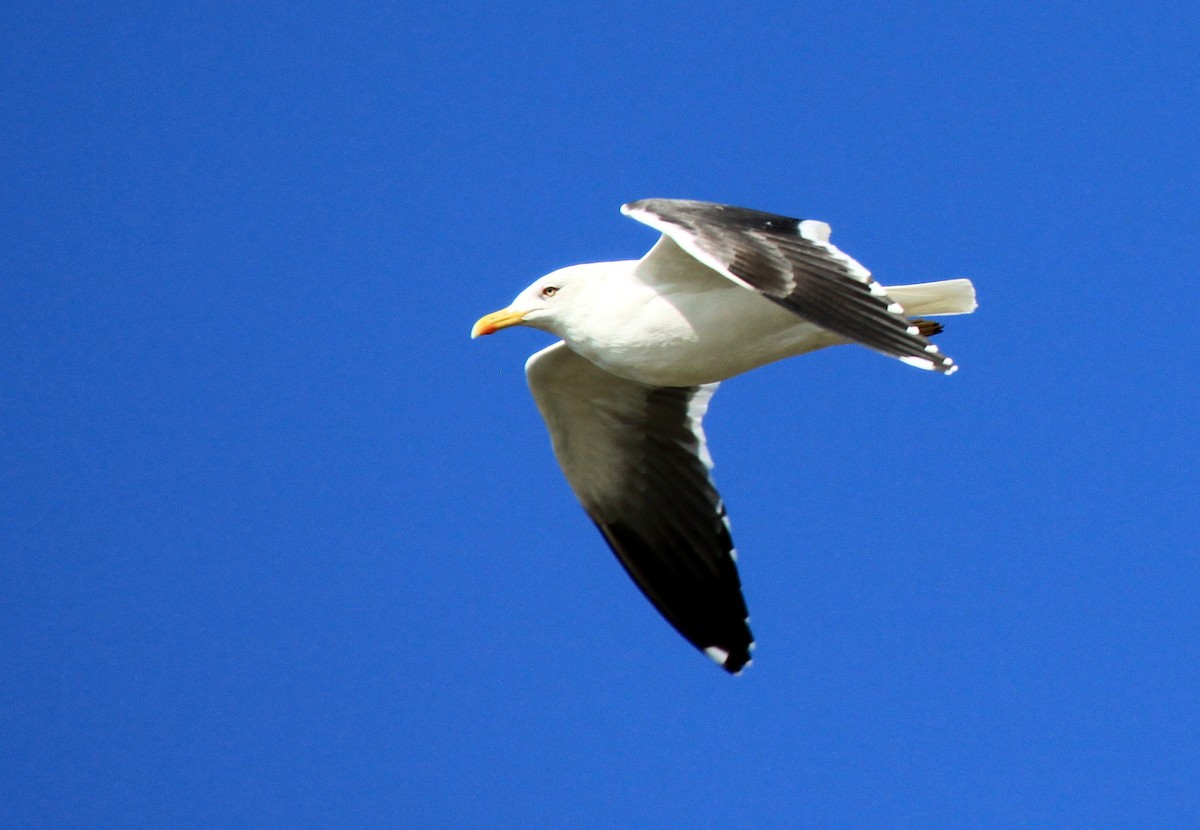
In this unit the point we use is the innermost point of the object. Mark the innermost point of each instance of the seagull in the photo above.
(644, 344)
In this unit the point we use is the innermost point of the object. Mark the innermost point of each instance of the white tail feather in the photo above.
(944, 297)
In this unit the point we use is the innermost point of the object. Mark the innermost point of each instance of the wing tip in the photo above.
(733, 662)
(934, 362)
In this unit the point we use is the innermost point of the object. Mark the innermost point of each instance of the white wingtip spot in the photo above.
(878, 290)
(919, 362)
(947, 365)
(896, 308)
(914, 330)
(717, 655)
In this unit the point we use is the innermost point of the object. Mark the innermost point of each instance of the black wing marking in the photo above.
(635, 455)
(792, 262)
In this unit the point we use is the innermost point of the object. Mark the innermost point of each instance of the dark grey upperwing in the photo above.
(636, 458)
(792, 262)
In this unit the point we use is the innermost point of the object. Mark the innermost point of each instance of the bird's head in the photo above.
(543, 305)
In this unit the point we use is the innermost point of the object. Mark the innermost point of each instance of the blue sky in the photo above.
(284, 548)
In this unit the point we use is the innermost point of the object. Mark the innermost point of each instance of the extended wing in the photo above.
(792, 263)
(635, 455)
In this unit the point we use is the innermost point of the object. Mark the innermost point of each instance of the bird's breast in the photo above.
(688, 339)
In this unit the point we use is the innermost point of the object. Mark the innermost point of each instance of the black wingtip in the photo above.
(732, 661)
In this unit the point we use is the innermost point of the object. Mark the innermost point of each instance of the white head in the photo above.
(548, 301)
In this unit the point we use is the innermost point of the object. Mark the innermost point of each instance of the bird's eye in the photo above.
(549, 291)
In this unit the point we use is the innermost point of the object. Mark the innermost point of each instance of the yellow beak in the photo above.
(495, 321)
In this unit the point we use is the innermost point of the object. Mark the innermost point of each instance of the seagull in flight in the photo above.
(643, 345)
